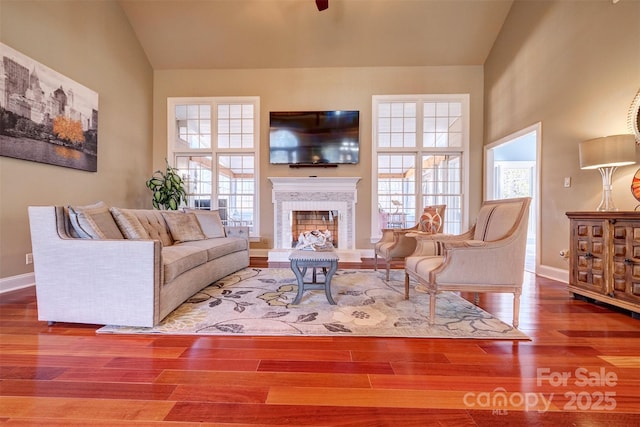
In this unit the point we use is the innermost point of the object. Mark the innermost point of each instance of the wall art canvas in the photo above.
(44, 116)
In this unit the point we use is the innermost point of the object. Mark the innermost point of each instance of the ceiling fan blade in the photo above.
(322, 4)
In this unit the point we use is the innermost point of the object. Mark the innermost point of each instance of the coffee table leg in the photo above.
(327, 282)
(300, 276)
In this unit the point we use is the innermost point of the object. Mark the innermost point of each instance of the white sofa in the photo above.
(124, 266)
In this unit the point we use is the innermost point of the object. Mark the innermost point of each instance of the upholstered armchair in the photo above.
(487, 258)
(396, 245)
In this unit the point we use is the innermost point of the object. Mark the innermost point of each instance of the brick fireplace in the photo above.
(303, 221)
(337, 195)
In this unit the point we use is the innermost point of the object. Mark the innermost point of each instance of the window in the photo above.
(214, 143)
(420, 155)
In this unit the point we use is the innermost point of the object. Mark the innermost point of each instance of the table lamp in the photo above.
(606, 154)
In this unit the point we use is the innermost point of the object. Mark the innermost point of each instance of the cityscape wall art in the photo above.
(46, 117)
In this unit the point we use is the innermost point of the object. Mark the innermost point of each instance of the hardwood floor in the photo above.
(582, 362)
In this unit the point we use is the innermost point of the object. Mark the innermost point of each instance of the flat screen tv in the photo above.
(314, 137)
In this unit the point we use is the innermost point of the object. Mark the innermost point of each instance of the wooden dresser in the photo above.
(604, 257)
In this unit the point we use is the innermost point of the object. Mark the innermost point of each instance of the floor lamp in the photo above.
(606, 154)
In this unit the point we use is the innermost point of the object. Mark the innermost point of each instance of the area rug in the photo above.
(258, 301)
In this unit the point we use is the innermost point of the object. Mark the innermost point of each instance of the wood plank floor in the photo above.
(580, 368)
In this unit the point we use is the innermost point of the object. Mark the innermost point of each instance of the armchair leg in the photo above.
(388, 268)
(375, 261)
(406, 286)
(516, 309)
(432, 307)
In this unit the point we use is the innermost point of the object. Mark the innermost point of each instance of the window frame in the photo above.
(214, 151)
(419, 151)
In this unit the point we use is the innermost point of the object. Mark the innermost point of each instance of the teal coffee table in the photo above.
(301, 260)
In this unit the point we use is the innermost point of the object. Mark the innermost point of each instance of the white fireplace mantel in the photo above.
(314, 193)
(307, 184)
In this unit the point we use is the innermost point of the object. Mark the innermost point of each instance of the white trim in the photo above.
(553, 273)
(464, 150)
(214, 151)
(314, 193)
(14, 283)
(488, 176)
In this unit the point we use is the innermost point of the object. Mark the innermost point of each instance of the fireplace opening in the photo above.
(303, 221)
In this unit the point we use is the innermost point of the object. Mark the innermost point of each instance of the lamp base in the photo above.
(606, 204)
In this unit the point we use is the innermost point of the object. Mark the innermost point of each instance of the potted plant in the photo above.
(167, 188)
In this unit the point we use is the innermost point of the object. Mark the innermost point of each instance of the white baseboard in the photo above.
(14, 283)
(553, 273)
(259, 253)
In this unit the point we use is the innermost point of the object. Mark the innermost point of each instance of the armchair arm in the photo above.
(500, 262)
(387, 236)
(428, 244)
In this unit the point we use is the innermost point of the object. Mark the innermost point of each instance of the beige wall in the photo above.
(322, 88)
(92, 43)
(575, 67)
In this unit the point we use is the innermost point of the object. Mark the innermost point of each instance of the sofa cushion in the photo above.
(94, 222)
(129, 224)
(215, 248)
(184, 227)
(154, 224)
(210, 222)
(177, 259)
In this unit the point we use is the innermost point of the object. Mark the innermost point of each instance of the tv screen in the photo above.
(314, 137)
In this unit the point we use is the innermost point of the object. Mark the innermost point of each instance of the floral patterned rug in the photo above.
(257, 301)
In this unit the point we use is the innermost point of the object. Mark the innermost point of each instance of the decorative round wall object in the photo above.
(633, 119)
(635, 186)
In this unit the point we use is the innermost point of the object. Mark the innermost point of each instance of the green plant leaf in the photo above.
(167, 188)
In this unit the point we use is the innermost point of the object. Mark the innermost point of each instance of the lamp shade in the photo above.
(614, 150)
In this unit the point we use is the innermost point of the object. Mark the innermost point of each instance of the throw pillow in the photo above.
(129, 224)
(430, 220)
(210, 222)
(94, 222)
(184, 227)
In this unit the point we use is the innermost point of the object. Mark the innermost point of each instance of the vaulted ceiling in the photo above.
(230, 34)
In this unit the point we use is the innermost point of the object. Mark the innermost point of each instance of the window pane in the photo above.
(193, 112)
(455, 124)
(235, 122)
(384, 110)
(384, 140)
(396, 190)
(406, 187)
(396, 124)
(439, 119)
(247, 111)
(196, 173)
(442, 109)
(442, 184)
(455, 139)
(193, 126)
(236, 189)
(384, 125)
(217, 179)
